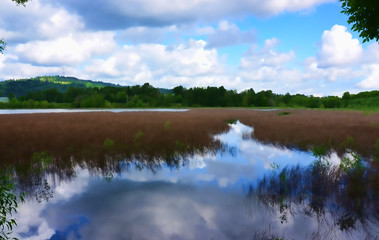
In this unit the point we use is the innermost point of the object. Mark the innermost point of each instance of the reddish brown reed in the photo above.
(82, 135)
(339, 130)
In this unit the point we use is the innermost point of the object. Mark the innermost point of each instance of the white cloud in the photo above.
(313, 71)
(145, 34)
(6, 34)
(45, 36)
(371, 54)
(166, 66)
(372, 79)
(229, 34)
(338, 48)
(60, 23)
(68, 50)
(117, 15)
(10, 68)
(342, 58)
(205, 30)
(266, 57)
(37, 21)
(274, 7)
(267, 69)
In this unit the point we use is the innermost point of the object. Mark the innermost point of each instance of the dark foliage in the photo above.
(363, 14)
(50, 92)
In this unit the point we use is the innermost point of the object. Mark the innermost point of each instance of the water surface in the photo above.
(116, 110)
(210, 195)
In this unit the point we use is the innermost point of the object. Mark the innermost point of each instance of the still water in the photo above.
(115, 110)
(215, 195)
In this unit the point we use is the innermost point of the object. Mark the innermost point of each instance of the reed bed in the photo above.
(104, 143)
(93, 135)
(337, 130)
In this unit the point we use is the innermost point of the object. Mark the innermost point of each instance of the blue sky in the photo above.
(296, 46)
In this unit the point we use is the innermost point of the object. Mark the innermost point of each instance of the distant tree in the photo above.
(364, 15)
(298, 100)
(331, 102)
(262, 99)
(287, 98)
(346, 96)
(93, 101)
(345, 99)
(121, 97)
(248, 97)
(52, 95)
(313, 102)
(179, 90)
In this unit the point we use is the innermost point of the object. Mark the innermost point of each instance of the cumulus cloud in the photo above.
(45, 36)
(60, 23)
(371, 54)
(165, 65)
(338, 48)
(37, 21)
(342, 58)
(266, 57)
(312, 70)
(372, 79)
(229, 34)
(267, 68)
(116, 14)
(68, 50)
(10, 68)
(144, 34)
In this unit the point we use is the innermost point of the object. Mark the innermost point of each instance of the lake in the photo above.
(115, 110)
(188, 175)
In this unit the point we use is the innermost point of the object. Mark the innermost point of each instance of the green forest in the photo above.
(21, 87)
(62, 92)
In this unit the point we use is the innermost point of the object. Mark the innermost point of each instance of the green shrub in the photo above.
(8, 205)
(167, 125)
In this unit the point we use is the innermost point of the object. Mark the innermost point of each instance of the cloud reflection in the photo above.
(202, 200)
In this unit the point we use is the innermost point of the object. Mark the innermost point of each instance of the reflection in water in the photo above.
(114, 110)
(342, 199)
(207, 191)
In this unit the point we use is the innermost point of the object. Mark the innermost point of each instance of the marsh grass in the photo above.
(100, 141)
(107, 143)
(305, 129)
(344, 197)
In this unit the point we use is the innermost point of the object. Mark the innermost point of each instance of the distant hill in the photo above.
(165, 90)
(22, 87)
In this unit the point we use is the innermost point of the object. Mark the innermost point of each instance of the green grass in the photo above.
(232, 121)
(167, 125)
(283, 113)
(138, 135)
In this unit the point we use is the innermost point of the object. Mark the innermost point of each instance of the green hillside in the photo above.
(22, 87)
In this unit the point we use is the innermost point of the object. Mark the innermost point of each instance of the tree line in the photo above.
(148, 96)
